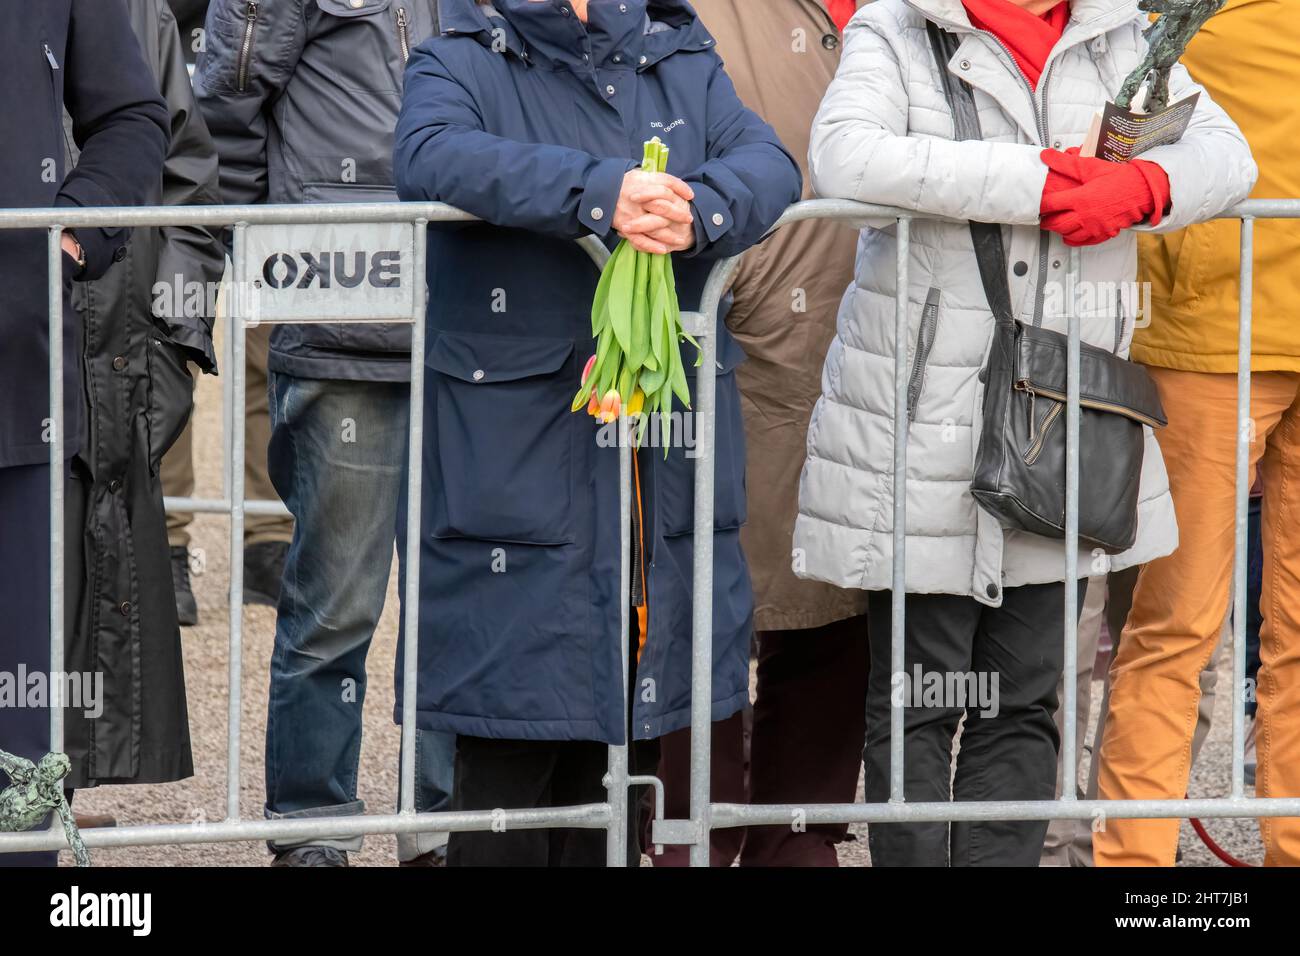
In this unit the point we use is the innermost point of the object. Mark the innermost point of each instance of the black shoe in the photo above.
(263, 569)
(311, 856)
(436, 857)
(187, 610)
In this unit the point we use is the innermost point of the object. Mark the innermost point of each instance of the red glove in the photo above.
(1068, 169)
(1088, 201)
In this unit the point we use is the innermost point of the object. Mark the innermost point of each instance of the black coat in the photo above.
(189, 18)
(142, 321)
(79, 54)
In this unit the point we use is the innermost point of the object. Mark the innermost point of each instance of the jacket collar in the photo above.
(1092, 17)
(640, 32)
(990, 68)
(484, 24)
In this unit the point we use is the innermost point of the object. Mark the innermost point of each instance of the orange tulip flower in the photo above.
(609, 406)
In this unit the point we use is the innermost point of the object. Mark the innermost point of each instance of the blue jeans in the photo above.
(336, 458)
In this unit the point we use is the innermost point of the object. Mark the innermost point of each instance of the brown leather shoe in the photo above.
(95, 821)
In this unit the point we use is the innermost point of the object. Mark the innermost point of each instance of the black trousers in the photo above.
(808, 733)
(1009, 659)
(805, 747)
(527, 774)
(531, 774)
(25, 623)
(519, 774)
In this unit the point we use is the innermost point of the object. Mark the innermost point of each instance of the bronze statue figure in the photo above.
(1166, 39)
(36, 790)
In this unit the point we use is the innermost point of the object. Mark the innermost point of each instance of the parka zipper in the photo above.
(924, 343)
(57, 103)
(403, 34)
(1120, 318)
(246, 48)
(1044, 239)
(1040, 121)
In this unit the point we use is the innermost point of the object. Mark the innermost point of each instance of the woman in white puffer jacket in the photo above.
(983, 603)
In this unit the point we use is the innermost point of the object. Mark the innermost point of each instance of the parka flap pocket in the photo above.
(353, 8)
(171, 396)
(1107, 382)
(485, 359)
(502, 438)
(347, 192)
(675, 472)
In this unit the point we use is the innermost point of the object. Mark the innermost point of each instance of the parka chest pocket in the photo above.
(368, 42)
(502, 461)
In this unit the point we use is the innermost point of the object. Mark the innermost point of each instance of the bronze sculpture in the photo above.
(1166, 38)
(36, 790)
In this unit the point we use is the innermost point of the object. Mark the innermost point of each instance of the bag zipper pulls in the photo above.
(1024, 386)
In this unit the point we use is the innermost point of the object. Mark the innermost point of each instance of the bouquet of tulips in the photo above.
(635, 319)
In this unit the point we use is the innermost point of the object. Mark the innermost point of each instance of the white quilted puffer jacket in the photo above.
(884, 134)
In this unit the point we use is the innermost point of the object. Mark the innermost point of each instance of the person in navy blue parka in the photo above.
(532, 115)
(79, 59)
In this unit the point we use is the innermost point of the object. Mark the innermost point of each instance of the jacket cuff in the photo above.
(713, 218)
(196, 345)
(600, 194)
(102, 247)
(1190, 201)
(1157, 181)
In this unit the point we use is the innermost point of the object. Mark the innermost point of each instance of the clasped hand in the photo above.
(654, 213)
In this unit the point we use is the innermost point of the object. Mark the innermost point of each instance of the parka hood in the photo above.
(641, 32)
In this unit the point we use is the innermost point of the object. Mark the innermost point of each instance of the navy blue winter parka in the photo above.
(528, 118)
(77, 56)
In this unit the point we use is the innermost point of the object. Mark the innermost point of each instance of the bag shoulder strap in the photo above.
(985, 236)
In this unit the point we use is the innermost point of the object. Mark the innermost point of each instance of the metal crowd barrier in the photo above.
(612, 815)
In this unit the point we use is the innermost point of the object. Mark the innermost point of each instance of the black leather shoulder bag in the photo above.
(1020, 462)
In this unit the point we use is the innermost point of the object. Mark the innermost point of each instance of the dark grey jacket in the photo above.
(137, 389)
(302, 98)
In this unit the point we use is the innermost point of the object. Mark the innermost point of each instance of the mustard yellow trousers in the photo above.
(1179, 607)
